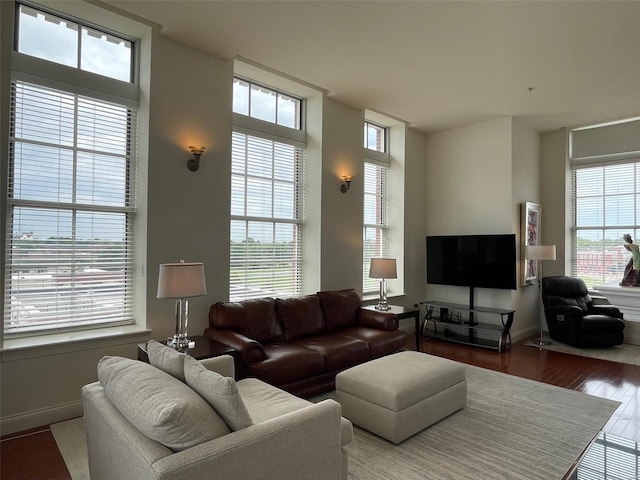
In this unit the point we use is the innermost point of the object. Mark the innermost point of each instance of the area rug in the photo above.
(625, 353)
(72, 444)
(512, 428)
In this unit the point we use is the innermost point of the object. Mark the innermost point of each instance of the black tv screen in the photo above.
(485, 261)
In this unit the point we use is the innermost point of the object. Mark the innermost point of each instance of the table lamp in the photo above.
(383, 268)
(181, 281)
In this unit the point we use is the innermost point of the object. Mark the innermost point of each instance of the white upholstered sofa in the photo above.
(288, 437)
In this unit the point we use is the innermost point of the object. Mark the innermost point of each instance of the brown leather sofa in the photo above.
(300, 344)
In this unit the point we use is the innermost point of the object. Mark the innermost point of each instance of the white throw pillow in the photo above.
(160, 406)
(221, 393)
(166, 359)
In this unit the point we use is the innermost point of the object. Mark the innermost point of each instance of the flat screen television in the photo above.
(483, 261)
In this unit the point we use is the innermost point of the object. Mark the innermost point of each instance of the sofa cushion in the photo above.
(340, 308)
(159, 405)
(339, 352)
(255, 319)
(220, 392)
(166, 359)
(286, 363)
(300, 316)
(380, 342)
(265, 402)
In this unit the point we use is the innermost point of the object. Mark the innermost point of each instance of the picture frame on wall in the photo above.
(530, 234)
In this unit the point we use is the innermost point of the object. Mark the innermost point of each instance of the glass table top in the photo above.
(609, 458)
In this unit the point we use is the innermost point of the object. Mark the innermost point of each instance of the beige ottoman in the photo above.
(401, 394)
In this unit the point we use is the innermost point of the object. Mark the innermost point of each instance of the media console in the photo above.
(457, 323)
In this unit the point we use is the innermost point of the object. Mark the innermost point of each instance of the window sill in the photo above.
(59, 343)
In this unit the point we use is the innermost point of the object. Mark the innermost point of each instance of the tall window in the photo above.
(71, 199)
(606, 205)
(375, 225)
(266, 194)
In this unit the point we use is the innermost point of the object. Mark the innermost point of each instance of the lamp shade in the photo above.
(383, 268)
(540, 252)
(181, 280)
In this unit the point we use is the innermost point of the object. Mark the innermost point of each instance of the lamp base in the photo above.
(383, 306)
(180, 343)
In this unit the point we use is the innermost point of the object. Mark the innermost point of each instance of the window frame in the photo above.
(78, 83)
(609, 257)
(380, 227)
(295, 138)
(380, 160)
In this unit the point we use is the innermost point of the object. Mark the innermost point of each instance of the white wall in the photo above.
(527, 187)
(416, 186)
(188, 212)
(342, 213)
(556, 198)
(476, 178)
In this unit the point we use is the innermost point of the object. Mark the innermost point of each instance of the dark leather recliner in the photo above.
(574, 318)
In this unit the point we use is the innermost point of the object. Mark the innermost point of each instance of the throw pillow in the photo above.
(166, 359)
(160, 406)
(221, 393)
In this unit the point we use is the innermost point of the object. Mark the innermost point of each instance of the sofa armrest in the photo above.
(250, 350)
(564, 313)
(377, 319)
(599, 299)
(224, 365)
(610, 310)
(301, 444)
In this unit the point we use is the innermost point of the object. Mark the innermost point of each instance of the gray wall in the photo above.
(187, 99)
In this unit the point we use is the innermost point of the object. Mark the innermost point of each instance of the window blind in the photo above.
(375, 221)
(606, 205)
(71, 203)
(266, 183)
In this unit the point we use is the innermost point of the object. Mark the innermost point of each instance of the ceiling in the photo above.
(434, 64)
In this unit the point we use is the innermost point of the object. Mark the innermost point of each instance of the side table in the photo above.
(402, 313)
(204, 348)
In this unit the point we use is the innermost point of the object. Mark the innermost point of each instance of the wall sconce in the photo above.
(193, 164)
(347, 183)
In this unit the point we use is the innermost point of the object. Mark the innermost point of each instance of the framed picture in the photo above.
(530, 222)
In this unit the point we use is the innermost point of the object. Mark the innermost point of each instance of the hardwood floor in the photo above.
(615, 381)
(33, 455)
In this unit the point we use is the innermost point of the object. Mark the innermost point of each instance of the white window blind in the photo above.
(606, 205)
(70, 209)
(266, 184)
(375, 221)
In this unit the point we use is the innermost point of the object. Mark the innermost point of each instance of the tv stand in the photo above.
(456, 323)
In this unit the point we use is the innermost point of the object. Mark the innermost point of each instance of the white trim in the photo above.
(382, 159)
(269, 131)
(62, 77)
(627, 299)
(41, 417)
(61, 343)
(610, 159)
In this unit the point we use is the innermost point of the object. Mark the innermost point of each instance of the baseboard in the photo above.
(39, 418)
(525, 334)
(632, 339)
